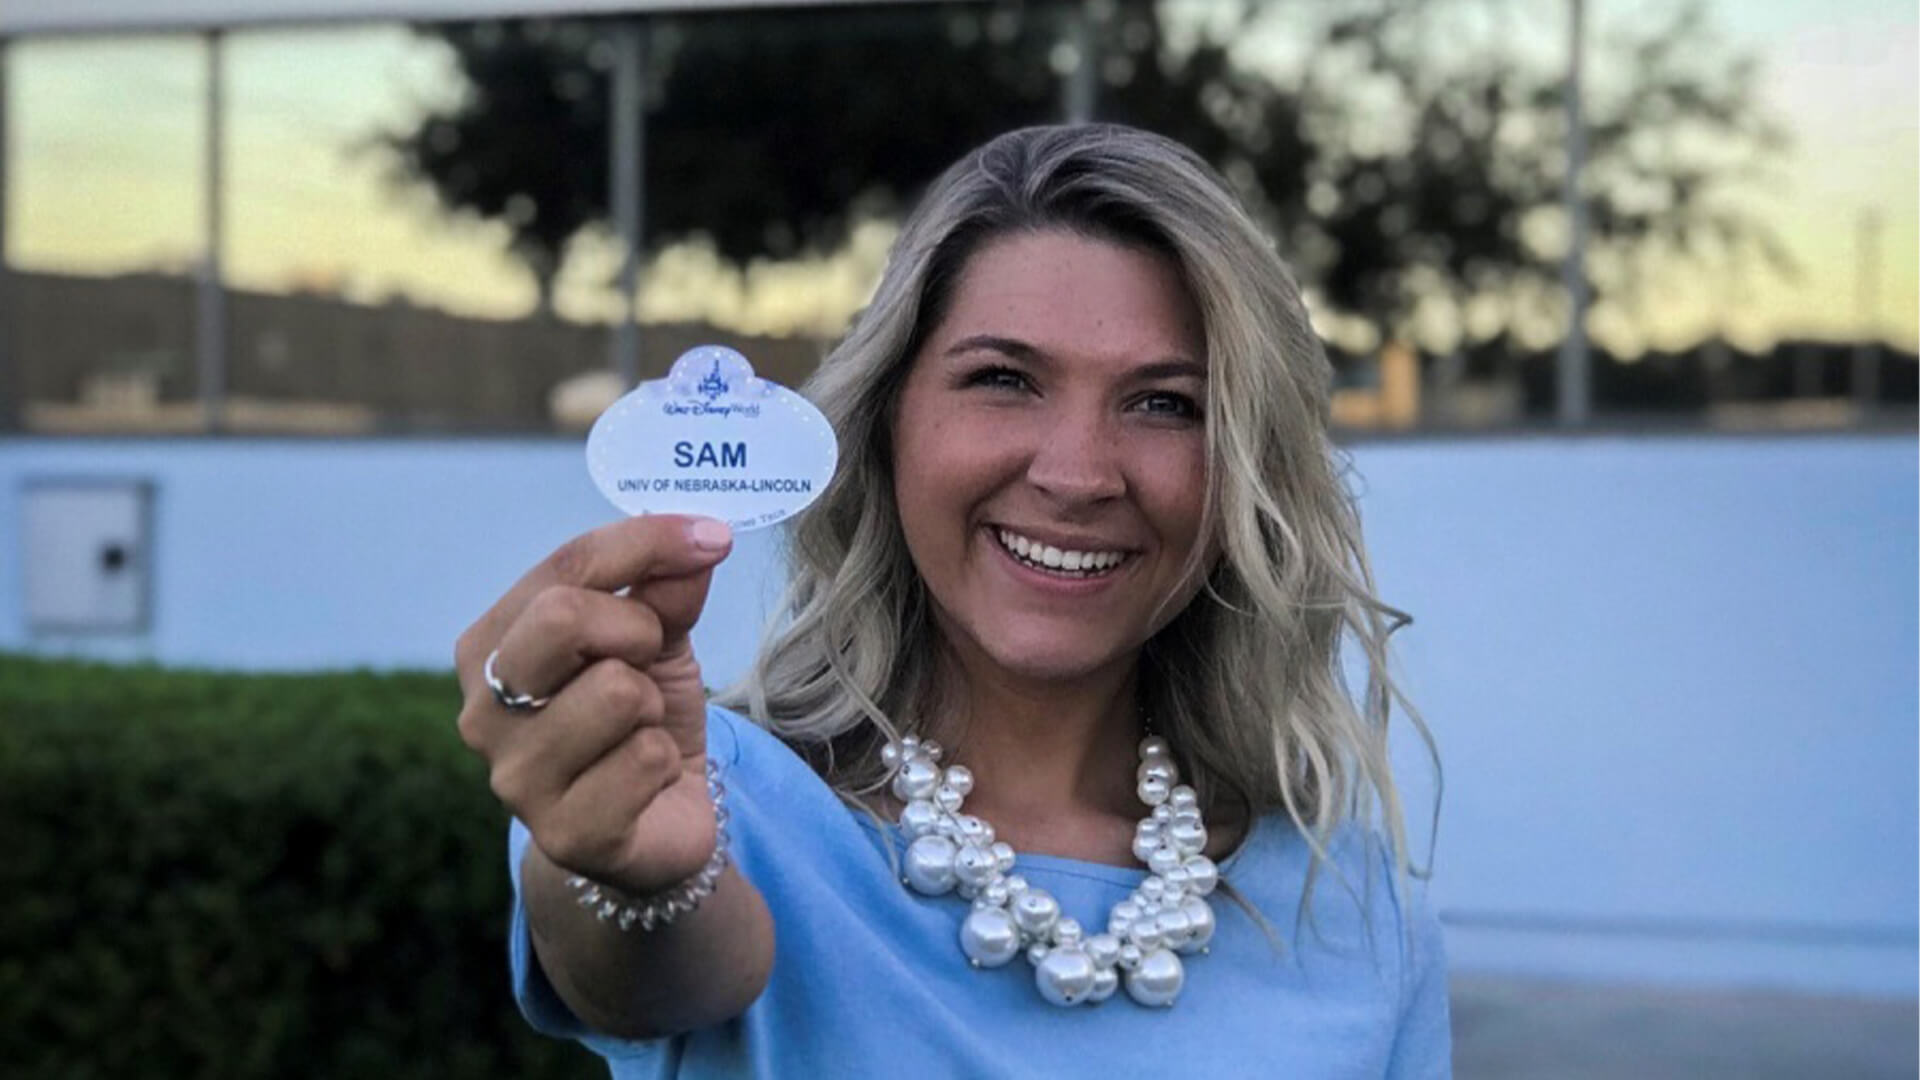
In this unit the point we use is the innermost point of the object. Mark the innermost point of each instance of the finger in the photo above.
(594, 829)
(677, 603)
(565, 628)
(537, 757)
(625, 553)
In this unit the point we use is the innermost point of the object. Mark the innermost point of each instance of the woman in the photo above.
(1087, 535)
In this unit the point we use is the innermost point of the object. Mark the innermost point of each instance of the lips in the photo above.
(1063, 561)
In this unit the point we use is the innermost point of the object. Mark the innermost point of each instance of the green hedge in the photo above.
(217, 875)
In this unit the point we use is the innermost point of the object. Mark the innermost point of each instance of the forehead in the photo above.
(1069, 294)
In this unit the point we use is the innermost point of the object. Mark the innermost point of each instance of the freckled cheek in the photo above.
(1172, 488)
(963, 459)
(939, 482)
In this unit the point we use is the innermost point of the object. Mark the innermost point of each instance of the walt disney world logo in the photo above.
(707, 395)
(713, 386)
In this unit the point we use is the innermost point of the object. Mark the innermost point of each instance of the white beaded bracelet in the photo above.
(660, 909)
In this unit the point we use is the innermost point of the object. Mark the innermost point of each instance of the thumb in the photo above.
(678, 595)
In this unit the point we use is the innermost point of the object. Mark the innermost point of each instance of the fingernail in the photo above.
(711, 535)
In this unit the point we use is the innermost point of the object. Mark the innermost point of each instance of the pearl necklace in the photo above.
(1166, 916)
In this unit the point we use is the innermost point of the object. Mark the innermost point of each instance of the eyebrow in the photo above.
(1013, 347)
(1170, 368)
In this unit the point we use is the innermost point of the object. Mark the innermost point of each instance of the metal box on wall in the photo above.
(87, 548)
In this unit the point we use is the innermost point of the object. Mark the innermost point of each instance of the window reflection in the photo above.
(417, 236)
(103, 219)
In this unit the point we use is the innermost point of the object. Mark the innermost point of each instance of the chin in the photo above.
(1049, 660)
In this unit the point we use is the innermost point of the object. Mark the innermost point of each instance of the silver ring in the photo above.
(508, 699)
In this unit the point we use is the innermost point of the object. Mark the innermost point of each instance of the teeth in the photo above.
(1071, 562)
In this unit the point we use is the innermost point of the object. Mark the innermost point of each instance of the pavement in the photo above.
(1509, 1029)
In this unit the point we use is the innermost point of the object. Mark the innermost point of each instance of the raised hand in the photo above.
(609, 775)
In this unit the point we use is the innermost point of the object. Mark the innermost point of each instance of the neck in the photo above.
(1041, 750)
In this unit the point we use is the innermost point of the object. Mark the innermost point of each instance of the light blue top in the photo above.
(868, 978)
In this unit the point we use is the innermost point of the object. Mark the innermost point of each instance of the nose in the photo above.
(1078, 459)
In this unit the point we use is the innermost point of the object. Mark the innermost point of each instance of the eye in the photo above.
(997, 377)
(1168, 403)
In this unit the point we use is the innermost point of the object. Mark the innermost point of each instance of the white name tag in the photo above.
(712, 438)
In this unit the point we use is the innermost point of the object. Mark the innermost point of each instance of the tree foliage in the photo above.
(1398, 165)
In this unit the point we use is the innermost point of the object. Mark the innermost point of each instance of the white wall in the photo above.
(1674, 682)
(1673, 679)
(294, 554)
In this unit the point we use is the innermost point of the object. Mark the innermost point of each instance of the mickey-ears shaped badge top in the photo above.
(715, 439)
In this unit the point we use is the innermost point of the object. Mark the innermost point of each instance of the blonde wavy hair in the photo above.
(1247, 682)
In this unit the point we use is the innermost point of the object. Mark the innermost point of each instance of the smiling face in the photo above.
(1050, 454)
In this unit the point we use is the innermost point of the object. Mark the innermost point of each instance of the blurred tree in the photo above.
(768, 132)
(524, 144)
(1400, 172)
(1459, 204)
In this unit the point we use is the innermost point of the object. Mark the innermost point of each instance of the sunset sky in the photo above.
(106, 144)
